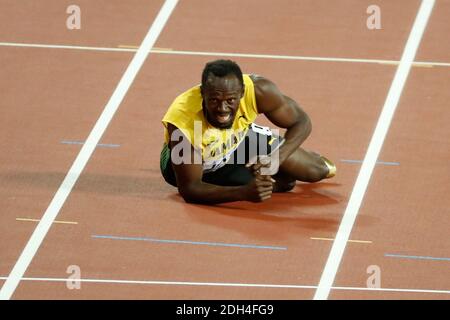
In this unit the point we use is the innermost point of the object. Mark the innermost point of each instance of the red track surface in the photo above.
(53, 95)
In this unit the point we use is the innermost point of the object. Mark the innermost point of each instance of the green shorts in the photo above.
(233, 173)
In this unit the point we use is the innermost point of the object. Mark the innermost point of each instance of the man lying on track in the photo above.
(214, 153)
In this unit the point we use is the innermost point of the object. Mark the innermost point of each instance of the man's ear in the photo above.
(243, 91)
(201, 91)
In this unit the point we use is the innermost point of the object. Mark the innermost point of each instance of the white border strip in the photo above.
(80, 162)
(356, 198)
(225, 284)
(67, 47)
(223, 54)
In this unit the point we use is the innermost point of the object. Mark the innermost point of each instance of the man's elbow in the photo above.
(304, 122)
(308, 125)
(189, 194)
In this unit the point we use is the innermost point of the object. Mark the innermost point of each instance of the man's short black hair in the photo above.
(221, 68)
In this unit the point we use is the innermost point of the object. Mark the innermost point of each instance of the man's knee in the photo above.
(283, 186)
(283, 182)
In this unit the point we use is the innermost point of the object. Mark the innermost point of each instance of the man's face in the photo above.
(221, 98)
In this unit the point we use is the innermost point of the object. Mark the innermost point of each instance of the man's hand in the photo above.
(260, 188)
(264, 165)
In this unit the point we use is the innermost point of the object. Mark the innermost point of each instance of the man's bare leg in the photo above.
(303, 165)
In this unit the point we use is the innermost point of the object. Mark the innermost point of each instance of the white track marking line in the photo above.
(125, 48)
(83, 157)
(67, 47)
(37, 220)
(224, 284)
(345, 228)
(135, 47)
(302, 58)
(331, 239)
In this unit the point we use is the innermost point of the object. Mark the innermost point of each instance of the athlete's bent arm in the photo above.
(284, 112)
(194, 190)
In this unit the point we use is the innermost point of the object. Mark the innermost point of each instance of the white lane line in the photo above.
(302, 58)
(123, 48)
(67, 47)
(37, 220)
(351, 241)
(225, 284)
(86, 151)
(135, 47)
(356, 198)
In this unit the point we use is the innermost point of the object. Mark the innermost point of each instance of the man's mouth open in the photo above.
(223, 118)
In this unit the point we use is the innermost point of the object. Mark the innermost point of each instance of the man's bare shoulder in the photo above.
(268, 97)
(262, 84)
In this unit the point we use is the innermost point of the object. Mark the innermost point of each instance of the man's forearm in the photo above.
(294, 137)
(205, 193)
